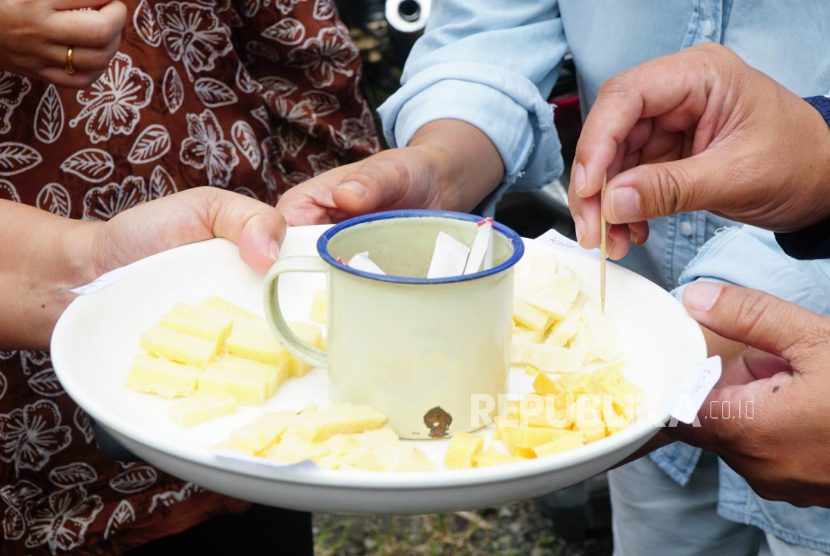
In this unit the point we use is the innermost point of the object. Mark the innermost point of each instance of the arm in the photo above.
(471, 118)
(42, 253)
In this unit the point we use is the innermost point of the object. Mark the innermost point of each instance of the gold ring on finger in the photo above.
(70, 63)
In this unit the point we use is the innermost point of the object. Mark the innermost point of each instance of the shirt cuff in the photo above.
(505, 106)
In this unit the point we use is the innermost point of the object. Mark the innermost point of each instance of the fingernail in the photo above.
(579, 177)
(609, 247)
(701, 296)
(274, 250)
(579, 224)
(355, 187)
(634, 236)
(625, 204)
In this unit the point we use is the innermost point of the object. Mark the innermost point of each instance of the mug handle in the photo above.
(273, 312)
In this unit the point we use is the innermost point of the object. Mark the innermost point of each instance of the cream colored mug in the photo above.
(417, 350)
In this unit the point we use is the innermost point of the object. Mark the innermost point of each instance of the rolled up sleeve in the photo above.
(491, 65)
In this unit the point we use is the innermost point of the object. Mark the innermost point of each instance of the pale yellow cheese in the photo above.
(274, 374)
(318, 306)
(462, 449)
(553, 359)
(553, 307)
(600, 337)
(527, 335)
(391, 459)
(215, 328)
(560, 444)
(562, 332)
(248, 387)
(199, 409)
(154, 375)
(564, 286)
(529, 316)
(253, 339)
(338, 419)
(216, 304)
(294, 450)
(310, 334)
(262, 432)
(178, 347)
(592, 434)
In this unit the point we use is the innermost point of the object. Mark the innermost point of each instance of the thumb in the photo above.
(189, 216)
(756, 318)
(666, 188)
(398, 178)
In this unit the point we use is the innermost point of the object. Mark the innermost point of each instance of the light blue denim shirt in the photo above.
(492, 63)
(751, 258)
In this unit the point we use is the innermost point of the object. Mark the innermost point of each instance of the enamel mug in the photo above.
(422, 351)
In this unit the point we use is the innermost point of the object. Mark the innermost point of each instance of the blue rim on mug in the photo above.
(515, 242)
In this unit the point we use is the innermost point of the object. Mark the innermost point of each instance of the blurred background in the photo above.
(574, 521)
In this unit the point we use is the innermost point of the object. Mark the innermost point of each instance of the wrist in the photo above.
(64, 259)
(466, 163)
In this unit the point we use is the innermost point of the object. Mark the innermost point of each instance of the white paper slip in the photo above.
(101, 282)
(361, 261)
(687, 402)
(482, 245)
(554, 239)
(449, 257)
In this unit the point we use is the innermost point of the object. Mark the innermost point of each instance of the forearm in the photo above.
(469, 166)
(40, 255)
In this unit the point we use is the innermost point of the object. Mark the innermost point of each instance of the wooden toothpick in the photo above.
(602, 238)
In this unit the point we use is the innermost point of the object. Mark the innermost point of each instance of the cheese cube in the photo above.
(253, 340)
(262, 432)
(294, 450)
(600, 337)
(216, 329)
(610, 374)
(463, 447)
(534, 273)
(544, 385)
(527, 335)
(490, 458)
(200, 409)
(377, 437)
(553, 359)
(396, 458)
(341, 444)
(311, 335)
(560, 444)
(592, 434)
(274, 374)
(338, 419)
(519, 440)
(562, 332)
(154, 375)
(216, 304)
(178, 347)
(248, 387)
(564, 287)
(552, 306)
(505, 426)
(531, 317)
(318, 306)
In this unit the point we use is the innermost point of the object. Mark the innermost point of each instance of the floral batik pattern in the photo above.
(254, 96)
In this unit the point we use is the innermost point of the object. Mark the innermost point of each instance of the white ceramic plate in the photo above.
(97, 337)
